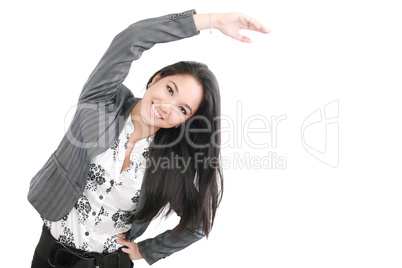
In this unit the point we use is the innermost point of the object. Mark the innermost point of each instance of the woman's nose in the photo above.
(165, 108)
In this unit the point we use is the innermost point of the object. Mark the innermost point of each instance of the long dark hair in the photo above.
(193, 189)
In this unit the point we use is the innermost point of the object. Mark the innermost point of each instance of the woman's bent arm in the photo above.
(104, 82)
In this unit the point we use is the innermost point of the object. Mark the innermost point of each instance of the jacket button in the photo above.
(173, 17)
(101, 197)
(86, 233)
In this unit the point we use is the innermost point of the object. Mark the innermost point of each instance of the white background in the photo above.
(306, 215)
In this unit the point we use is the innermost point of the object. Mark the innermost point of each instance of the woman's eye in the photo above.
(170, 90)
(183, 110)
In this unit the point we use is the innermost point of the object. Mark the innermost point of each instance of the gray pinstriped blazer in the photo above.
(103, 106)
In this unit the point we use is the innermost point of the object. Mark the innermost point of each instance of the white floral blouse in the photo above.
(109, 198)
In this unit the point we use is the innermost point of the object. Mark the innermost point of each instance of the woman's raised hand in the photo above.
(230, 24)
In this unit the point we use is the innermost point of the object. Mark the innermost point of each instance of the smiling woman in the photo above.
(172, 98)
(97, 199)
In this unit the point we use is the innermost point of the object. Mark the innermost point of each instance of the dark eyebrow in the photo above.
(191, 111)
(175, 86)
(177, 90)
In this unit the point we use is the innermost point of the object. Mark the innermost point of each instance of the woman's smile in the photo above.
(155, 111)
(173, 99)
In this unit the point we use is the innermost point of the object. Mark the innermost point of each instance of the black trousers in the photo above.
(39, 262)
(46, 241)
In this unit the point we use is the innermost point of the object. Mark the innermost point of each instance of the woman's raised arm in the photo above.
(229, 24)
(128, 46)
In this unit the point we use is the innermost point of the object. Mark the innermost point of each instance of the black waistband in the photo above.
(60, 255)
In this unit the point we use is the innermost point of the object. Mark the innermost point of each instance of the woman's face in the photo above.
(171, 100)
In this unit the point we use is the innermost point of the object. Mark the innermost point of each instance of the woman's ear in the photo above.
(155, 79)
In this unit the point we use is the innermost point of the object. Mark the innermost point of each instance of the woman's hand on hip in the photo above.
(132, 248)
(229, 24)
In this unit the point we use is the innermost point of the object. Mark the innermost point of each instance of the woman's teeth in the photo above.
(155, 111)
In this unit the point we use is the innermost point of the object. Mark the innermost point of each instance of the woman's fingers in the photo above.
(254, 25)
(240, 37)
(131, 247)
(121, 240)
(123, 236)
(126, 250)
(231, 23)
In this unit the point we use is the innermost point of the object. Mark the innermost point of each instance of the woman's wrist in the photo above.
(229, 24)
(206, 21)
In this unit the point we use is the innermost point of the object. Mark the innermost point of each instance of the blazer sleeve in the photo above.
(105, 80)
(163, 245)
